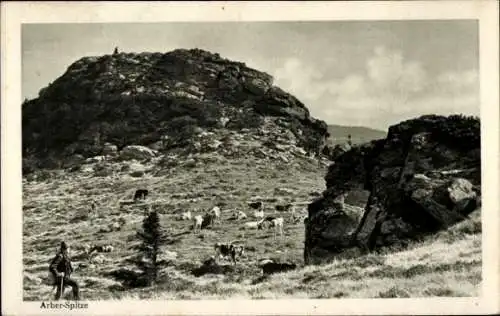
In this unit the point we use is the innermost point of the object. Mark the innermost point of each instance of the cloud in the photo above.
(453, 81)
(388, 71)
(390, 89)
(301, 78)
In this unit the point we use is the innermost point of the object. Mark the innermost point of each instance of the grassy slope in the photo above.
(447, 264)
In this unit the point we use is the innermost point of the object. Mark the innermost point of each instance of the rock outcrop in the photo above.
(159, 100)
(425, 176)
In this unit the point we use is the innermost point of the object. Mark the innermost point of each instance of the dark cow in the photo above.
(231, 250)
(276, 267)
(101, 248)
(209, 262)
(266, 222)
(269, 218)
(283, 208)
(208, 220)
(255, 205)
(141, 194)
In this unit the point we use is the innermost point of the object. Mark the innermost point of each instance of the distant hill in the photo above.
(359, 134)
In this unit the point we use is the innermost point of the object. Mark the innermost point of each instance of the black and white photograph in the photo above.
(251, 160)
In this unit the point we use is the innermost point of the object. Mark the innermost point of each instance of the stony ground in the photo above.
(57, 209)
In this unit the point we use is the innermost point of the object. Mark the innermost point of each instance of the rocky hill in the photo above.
(197, 131)
(425, 176)
(166, 101)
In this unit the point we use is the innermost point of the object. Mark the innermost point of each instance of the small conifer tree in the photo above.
(153, 237)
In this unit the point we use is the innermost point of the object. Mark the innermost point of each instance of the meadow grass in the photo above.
(447, 264)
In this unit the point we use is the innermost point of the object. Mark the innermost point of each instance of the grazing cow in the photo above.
(225, 250)
(268, 218)
(283, 208)
(252, 225)
(298, 216)
(277, 223)
(197, 221)
(264, 261)
(270, 267)
(93, 206)
(207, 220)
(101, 248)
(215, 211)
(140, 194)
(186, 216)
(266, 221)
(210, 261)
(241, 215)
(295, 217)
(258, 214)
(256, 205)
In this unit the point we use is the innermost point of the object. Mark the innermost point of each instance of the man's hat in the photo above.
(64, 246)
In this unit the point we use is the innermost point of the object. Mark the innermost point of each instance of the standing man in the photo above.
(61, 269)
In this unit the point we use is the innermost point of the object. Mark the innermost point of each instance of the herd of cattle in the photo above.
(233, 250)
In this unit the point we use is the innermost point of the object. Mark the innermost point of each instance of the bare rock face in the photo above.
(424, 177)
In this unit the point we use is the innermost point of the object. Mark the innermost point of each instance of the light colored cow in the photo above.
(277, 224)
(241, 215)
(252, 225)
(197, 221)
(186, 216)
(258, 213)
(215, 211)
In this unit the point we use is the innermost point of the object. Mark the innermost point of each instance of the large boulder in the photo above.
(424, 177)
(137, 152)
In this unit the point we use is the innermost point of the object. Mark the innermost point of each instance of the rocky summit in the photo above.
(424, 177)
(181, 102)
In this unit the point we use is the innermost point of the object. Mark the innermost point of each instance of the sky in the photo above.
(359, 73)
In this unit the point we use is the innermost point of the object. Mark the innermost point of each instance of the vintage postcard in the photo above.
(220, 158)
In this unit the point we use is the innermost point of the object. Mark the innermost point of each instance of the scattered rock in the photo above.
(137, 152)
(109, 149)
(190, 163)
(137, 173)
(136, 170)
(284, 191)
(95, 159)
(86, 169)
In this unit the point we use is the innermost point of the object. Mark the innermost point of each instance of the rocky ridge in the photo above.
(165, 101)
(424, 177)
